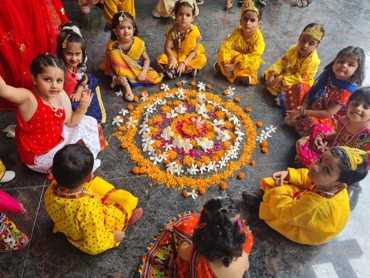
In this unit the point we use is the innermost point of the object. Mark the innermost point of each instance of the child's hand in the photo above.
(118, 235)
(276, 82)
(172, 63)
(142, 75)
(280, 177)
(76, 96)
(86, 98)
(269, 80)
(180, 69)
(293, 114)
(317, 142)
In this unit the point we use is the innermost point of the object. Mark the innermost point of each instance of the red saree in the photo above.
(27, 29)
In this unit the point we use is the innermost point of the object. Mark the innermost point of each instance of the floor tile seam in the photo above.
(21, 188)
(33, 229)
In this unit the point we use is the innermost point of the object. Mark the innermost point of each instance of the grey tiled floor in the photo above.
(50, 255)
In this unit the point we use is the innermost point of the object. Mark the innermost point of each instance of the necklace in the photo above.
(73, 74)
(125, 51)
(351, 137)
(181, 36)
(64, 193)
(58, 111)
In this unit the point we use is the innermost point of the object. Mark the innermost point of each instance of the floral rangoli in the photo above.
(187, 138)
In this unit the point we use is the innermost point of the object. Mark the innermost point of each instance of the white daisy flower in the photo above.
(124, 112)
(164, 87)
(181, 109)
(117, 121)
(271, 128)
(131, 122)
(201, 86)
(119, 93)
(193, 170)
(167, 133)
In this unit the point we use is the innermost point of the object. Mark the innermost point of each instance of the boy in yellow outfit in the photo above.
(311, 206)
(239, 56)
(90, 212)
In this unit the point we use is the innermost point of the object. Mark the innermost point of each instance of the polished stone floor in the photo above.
(348, 255)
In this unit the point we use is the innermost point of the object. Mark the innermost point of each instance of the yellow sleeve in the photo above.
(95, 238)
(306, 73)
(227, 53)
(299, 177)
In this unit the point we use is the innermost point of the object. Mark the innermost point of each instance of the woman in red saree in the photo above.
(27, 29)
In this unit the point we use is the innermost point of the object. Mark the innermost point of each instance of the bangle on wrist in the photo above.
(184, 63)
(81, 110)
(302, 112)
(322, 135)
(172, 57)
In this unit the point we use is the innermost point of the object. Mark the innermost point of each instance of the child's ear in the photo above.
(259, 24)
(34, 81)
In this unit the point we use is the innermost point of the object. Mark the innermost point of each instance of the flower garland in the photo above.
(187, 138)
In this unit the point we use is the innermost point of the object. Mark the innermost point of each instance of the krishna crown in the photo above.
(355, 156)
(314, 31)
(249, 5)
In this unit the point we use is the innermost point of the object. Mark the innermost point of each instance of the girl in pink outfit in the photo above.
(11, 238)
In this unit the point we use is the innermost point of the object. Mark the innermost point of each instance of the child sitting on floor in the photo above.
(90, 212)
(311, 206)
(127, 60)
(239, 56)
(213, 243)
(325, 102)
(352, 130)
(293, 75)
(45, 120)
(183, 52)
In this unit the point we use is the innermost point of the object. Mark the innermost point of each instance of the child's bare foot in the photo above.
(245, 80)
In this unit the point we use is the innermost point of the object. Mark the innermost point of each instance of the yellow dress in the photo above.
(293, 70)
(129, 64)
(246, 54)
(300, 215)
(182, 50)
(111, 7)
(88, 218)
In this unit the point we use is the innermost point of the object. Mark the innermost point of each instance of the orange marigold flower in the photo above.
(124, 145)
(185, 194)
(130, 107)
(158, 152)
(259, 124)
(150, 122)
(248, 109)
(220, 114)
(136, 99)
(264, 143)
(252, 163)
(208, 86)
(178, 84)
(193, 83)
(201, 191)
(228, 124)
(241, 176)
(135, 170)
(122, 128)
(264, 150)
(237, 99)
(199, 164)
(226, 145)
(144, 94)
(225, 92)
(188, 160)
(142, 170)
(223, 186)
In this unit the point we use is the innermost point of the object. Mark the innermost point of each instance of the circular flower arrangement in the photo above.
(182, 137)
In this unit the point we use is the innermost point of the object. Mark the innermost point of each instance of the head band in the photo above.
(249, 5)
(314, 31)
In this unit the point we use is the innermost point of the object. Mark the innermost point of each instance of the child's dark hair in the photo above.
(43, 61)
(322, 30)
(181, 3)
(118, 18)
(218, 235)
(347, 175)
(69, 34)
(72, 165)
(358, 53)
(361, 95)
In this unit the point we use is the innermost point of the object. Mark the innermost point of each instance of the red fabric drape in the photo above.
(27, 29)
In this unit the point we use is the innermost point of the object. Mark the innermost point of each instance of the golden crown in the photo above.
(355, 156)
(314, 31)
(249, 5)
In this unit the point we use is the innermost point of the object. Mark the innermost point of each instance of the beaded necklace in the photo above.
(63, 192)
(58, 111)
(311, 187)
(181, 36)
(351, 137)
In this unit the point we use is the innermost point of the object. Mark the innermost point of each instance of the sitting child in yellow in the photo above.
(311, 206)
(239, 56)
(91, 213)
(293, 75)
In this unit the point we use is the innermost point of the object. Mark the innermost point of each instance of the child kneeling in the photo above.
(311, 206)
(90, 212)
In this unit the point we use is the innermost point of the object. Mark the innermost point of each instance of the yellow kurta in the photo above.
(111, 7)
(190, 41)
(293, 69)
(246, 54)
(309, 218)
(126, 64)
(88, 223)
